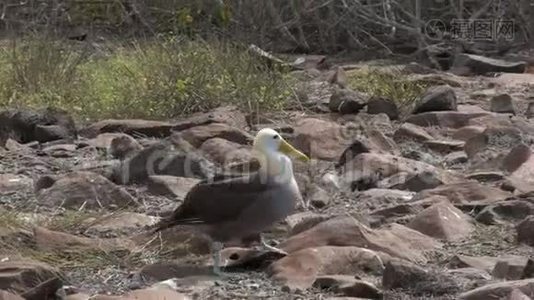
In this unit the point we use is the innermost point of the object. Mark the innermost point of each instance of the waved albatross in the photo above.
(234, 208)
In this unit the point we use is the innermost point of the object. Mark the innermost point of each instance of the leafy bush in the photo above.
(389, 84)
(149, 79)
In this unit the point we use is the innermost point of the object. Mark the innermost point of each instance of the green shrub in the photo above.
(390, 84)
(38, 71)
(151, 79)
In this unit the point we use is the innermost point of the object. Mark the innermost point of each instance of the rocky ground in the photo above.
(436, 202)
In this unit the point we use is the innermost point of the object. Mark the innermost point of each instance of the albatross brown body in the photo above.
(234, 208)
(240, 207)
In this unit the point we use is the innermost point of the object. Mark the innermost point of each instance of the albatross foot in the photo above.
(217, 272)
(216, 253)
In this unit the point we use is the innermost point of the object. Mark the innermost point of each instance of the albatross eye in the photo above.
(275, 137)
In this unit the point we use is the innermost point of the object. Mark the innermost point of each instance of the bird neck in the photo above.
(276, 165)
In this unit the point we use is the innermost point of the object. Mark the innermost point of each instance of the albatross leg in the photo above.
(216, 254)
(267, 247)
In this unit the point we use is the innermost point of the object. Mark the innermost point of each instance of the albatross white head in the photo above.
(272, 151)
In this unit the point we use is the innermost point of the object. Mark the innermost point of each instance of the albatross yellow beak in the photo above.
(286, 148)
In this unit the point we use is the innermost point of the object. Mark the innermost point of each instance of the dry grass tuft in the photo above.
(16, 238)
(157, 79)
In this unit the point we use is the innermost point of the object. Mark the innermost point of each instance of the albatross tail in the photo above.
(165, 223)
(175, 219)
(162, 225)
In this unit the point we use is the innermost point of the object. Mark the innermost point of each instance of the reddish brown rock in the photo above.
(106, 297)
(146, 294)
(437, 98)
(530, 110)
(49, 240)
(513, 267)
(132, 127)
(374, 142)
(445, 119)
(381, 142)
(477, 65)
(445, 146)
(248, 258)
(171, 186)
(376, 198)
(338, 77)
(14, 146)
(381, 105)
(467, 132)
(4, 295)
(333, 281)
(318, 197)
(518, 295)
(302, 221)
(175, 159)
(525, 173)
(400, 213)
(60, 150)
(517, 185)
(300, 268)
(525, 231)
(499, 290)
(365, 170)
(502, 103)
(345, 101)
(393, 213)
(443, 221)
(199, 134)
(505, 211)
(421, 181)
(10, 183)
(455, 158)
(348, 286)
(190, 285)
(20, 275)
(471, 108)
(103, 140)
(489, 176)
(399, 274)
(409, 131)
(124, 146)
(495, 138)
(85, 190)
(476, 145)
(465, 193)
(164, 270)
(361, 289)
(395, 240)
(78, 296)
(485, 263)
(492, 120)
(470, 274)
(46, 289)
(408, 276)
(321, 139)
(225, 152)
(229, 115)
(44, 125)
(517, 156)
